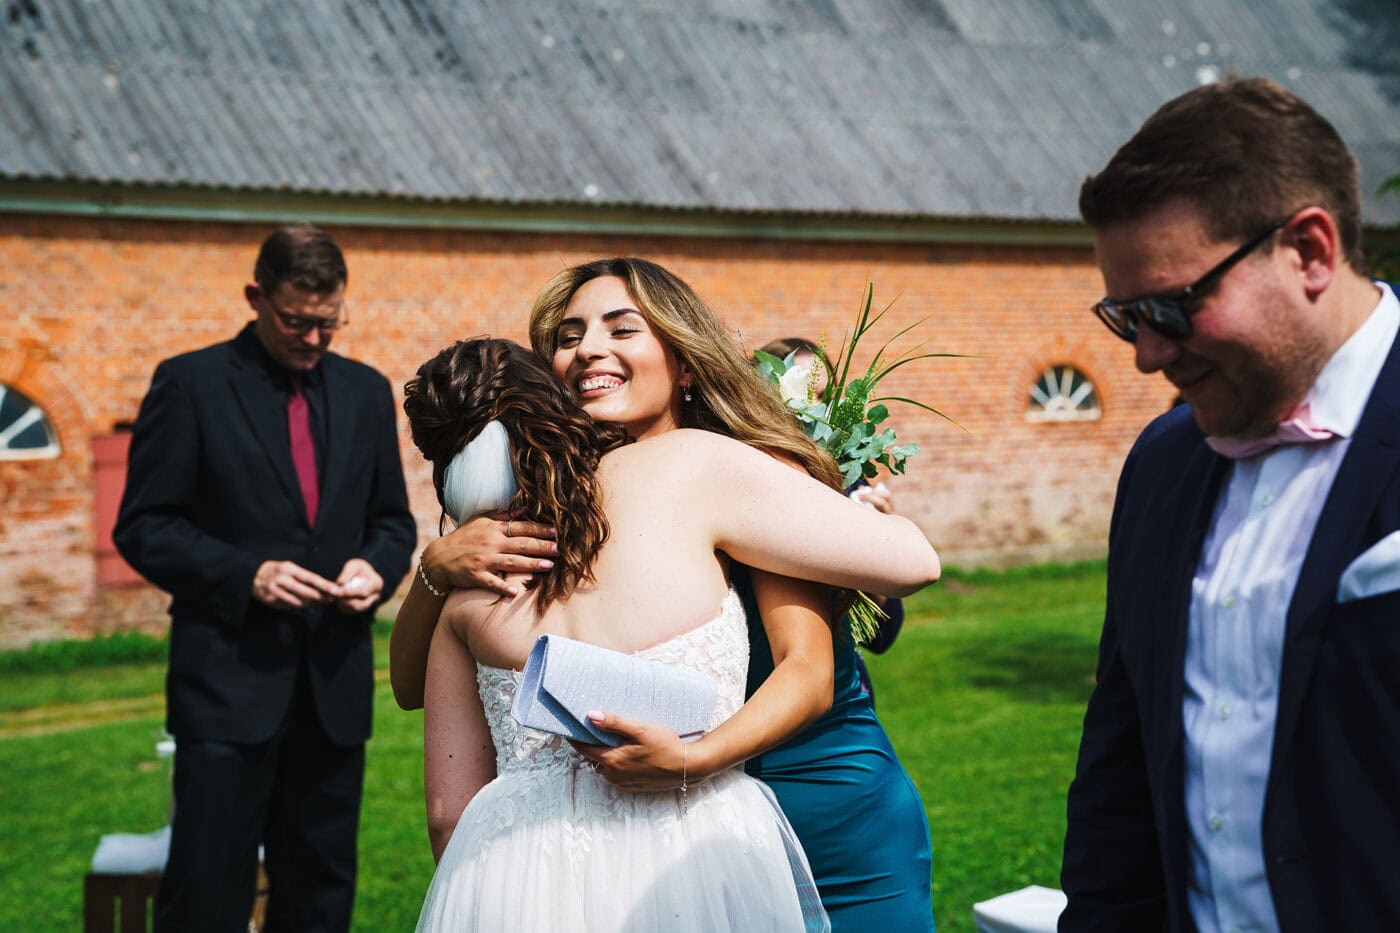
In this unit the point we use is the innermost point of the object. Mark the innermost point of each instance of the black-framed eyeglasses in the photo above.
(302, 324)
(1170, 315)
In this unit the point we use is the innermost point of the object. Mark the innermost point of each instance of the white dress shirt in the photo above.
(1259, 534)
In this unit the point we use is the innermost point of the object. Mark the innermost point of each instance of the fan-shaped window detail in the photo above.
(25, 432)
(1063, 393)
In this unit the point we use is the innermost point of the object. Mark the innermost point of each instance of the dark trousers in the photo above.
(299, 795)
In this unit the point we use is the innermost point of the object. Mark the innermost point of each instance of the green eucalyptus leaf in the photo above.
(851, 470)
(769, 366)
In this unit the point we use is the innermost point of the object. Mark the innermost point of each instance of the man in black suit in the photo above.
(1240, 762)
(266, 495)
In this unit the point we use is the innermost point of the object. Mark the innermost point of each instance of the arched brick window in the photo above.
(1062, 393)
(25, 431)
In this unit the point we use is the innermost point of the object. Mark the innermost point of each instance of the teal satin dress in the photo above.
(855, 810)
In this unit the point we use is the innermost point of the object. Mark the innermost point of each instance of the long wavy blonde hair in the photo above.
(729, 397)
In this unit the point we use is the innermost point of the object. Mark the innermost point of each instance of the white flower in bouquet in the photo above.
(794, 384)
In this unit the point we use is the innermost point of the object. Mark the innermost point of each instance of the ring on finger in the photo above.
(508, 524)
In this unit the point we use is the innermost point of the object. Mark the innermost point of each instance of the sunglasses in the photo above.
(1170, 315)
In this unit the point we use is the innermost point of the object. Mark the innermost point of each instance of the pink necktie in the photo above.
(303, 448)
(1298, 429)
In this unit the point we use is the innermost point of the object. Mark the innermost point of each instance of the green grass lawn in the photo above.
(982, 695)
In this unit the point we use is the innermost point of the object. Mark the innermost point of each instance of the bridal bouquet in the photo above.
(847, 416)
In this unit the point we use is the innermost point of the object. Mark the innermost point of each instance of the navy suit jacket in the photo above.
(212, 492)
(1331, 823)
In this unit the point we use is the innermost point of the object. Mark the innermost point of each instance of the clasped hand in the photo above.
(650, 758)
(283, 584)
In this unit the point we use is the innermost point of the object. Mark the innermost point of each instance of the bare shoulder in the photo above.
(718, 456)
(466, 610)
(694, 444)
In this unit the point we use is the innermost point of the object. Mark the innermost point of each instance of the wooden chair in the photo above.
(125, 900)
(126, 903)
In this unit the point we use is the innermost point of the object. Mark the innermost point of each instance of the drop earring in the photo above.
(686, 390)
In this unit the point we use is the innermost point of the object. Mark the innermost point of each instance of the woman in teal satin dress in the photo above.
(855, 810)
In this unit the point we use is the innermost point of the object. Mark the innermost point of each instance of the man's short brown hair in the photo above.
(302, 256)
(1246, 153)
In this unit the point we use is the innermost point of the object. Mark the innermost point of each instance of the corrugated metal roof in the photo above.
(943, 108)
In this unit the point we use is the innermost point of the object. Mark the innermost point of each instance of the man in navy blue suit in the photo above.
(1240, 762)
(265, 494)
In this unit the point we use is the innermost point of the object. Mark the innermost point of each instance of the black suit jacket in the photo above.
(211, 493)
(1331, 825)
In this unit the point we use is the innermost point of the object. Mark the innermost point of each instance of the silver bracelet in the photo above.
(685, 797)
(428, 583)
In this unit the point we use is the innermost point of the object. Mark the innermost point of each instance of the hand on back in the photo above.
(479, 552)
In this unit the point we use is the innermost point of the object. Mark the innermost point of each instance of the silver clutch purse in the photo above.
(565, 679)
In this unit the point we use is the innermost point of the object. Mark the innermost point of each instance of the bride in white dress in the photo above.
(527, 835)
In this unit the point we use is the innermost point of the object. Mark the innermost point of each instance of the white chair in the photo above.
(1029, 910)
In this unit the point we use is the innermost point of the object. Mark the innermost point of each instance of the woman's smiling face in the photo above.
(610, 358)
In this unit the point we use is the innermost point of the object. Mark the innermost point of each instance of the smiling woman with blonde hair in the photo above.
(725, 395)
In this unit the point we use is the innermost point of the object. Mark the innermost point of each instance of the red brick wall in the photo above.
(88, 307)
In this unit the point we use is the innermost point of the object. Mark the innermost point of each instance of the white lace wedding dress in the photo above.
(550, 846)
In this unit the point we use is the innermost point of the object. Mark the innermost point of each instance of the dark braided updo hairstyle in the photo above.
(554, 446)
